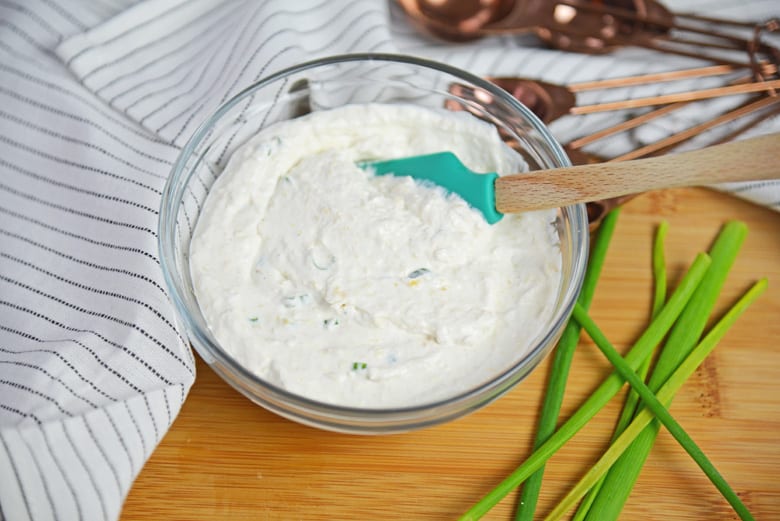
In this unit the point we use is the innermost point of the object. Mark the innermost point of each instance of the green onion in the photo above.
(630, 405)
(253, 319)
(611, 385)
(621, 477)
(418, 273)
(330, 323)
(659, 268)
(559, 369)
(654, 403)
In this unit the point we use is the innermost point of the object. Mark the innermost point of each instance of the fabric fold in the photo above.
(169, 64)
(93, 369)
(81, 467)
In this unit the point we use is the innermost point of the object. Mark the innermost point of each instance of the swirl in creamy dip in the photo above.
(362, 290)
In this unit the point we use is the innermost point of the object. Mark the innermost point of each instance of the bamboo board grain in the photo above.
(226, 459)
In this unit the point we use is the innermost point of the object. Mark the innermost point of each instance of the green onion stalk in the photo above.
(561, 363)
(632, 400)
(654, 406)
(642, 349)
(683, 337)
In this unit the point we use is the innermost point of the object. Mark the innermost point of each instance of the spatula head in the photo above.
(446, 170)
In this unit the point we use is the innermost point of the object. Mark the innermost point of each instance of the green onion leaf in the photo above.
(418, 273)
(655, 405)
(561, 363)
(682, 338)
(330, 323)
(630, 405)
(608, 389)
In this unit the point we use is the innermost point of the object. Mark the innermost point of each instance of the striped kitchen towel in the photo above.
(96, 99)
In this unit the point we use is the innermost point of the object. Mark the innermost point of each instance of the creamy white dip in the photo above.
(362, 290)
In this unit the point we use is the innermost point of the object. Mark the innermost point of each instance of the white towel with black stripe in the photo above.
(96, 99)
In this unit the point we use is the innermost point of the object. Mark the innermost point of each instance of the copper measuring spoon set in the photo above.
(592, 27)
(549, 102)
(599, 26)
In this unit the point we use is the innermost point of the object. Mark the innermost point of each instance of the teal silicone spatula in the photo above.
(493, 195)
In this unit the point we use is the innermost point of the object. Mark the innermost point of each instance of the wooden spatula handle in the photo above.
(748, 160)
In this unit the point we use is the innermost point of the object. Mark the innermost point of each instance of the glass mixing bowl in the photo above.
(328, 83)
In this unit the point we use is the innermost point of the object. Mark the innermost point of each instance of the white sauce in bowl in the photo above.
(362, 290)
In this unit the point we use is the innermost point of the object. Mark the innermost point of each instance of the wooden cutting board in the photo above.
(225, 458)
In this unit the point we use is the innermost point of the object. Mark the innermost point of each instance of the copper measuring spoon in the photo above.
(765, 107)
(549, 102)
(581, 26)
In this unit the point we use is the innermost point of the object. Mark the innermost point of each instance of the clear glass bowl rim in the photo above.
(477, 396)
